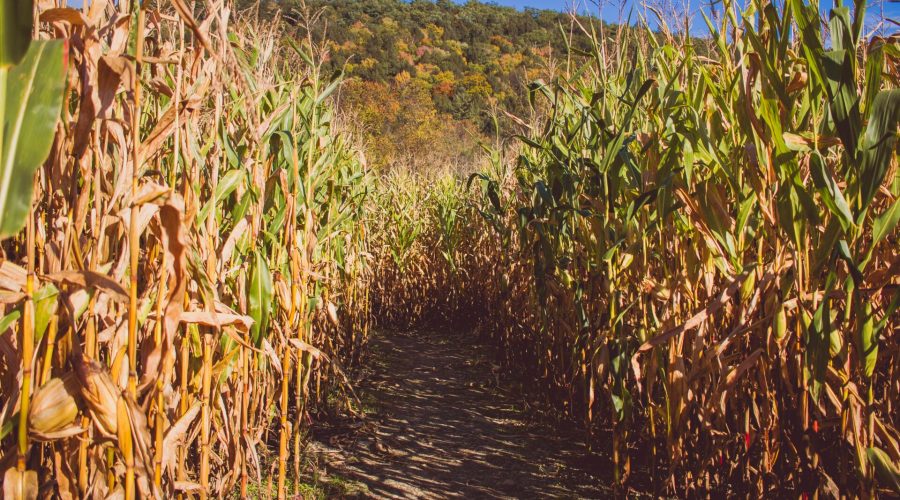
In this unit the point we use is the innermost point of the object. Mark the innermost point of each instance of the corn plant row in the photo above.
(192, 273)
(694, 254)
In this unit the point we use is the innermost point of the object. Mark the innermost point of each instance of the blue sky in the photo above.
(611, 7)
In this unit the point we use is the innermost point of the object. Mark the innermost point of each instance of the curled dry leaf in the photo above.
(151, 192)
(175, 436)
(89, 279)
(165, 127)
(141, 443)
(12, 276)
(174, 243)
(187, 487)
(303, 346)
(145, 215)
(227, 248)
(64, 15)
(217, 320)
(10, 298)
(274, 357)
(731, 378)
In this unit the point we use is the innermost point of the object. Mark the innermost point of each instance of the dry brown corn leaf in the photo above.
(89, 279)
(12, 276)
(305, 347)
(217, 320)
(174, 242)
(20, 485)
(9, 298)
(165, 127)
(175, 436)
(63, 15)
(695, 321)
(141, 441)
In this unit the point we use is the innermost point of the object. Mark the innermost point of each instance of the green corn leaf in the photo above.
(225, 187)
(45, 306)
(227, 364)
(887, 471)
(818, 342)
(241, 207)
(840, 27)
(830, 192)
(645, 198)
(808, 21)
(9, 425)
(544, 193)
(301, 51)
(622, 404)
(33, 99)
(744, 211)
(866, 339)
(888, 311)
(9, 319)
(787, 204)
(843, 97)
(328, 90)
(874, 69)
(859, 20)
(260, 298)
(530, 142)
(885, 223)
(611, 251)
(842, 249)
(878, 145)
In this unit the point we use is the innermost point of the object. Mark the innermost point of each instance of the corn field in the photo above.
(704, 254)
(194, 232)
(691, 250)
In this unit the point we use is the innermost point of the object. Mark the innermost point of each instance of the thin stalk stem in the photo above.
(205, 415)
(133, 236)
(27, 349)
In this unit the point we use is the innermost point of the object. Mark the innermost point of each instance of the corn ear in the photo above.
(54, 409)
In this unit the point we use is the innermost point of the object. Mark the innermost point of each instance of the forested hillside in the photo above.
(427, 79)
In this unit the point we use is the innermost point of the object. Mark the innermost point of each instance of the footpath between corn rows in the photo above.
(439, 423)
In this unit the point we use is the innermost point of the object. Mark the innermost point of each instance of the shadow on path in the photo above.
(440, 428)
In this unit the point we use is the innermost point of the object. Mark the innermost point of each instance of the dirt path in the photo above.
(438, 427)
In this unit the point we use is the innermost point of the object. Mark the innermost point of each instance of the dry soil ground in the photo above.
(438, 426)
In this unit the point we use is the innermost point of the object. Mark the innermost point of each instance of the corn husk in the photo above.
(53, 410)
(100, 395)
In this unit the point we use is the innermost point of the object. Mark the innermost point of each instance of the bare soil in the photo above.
(439, 424)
